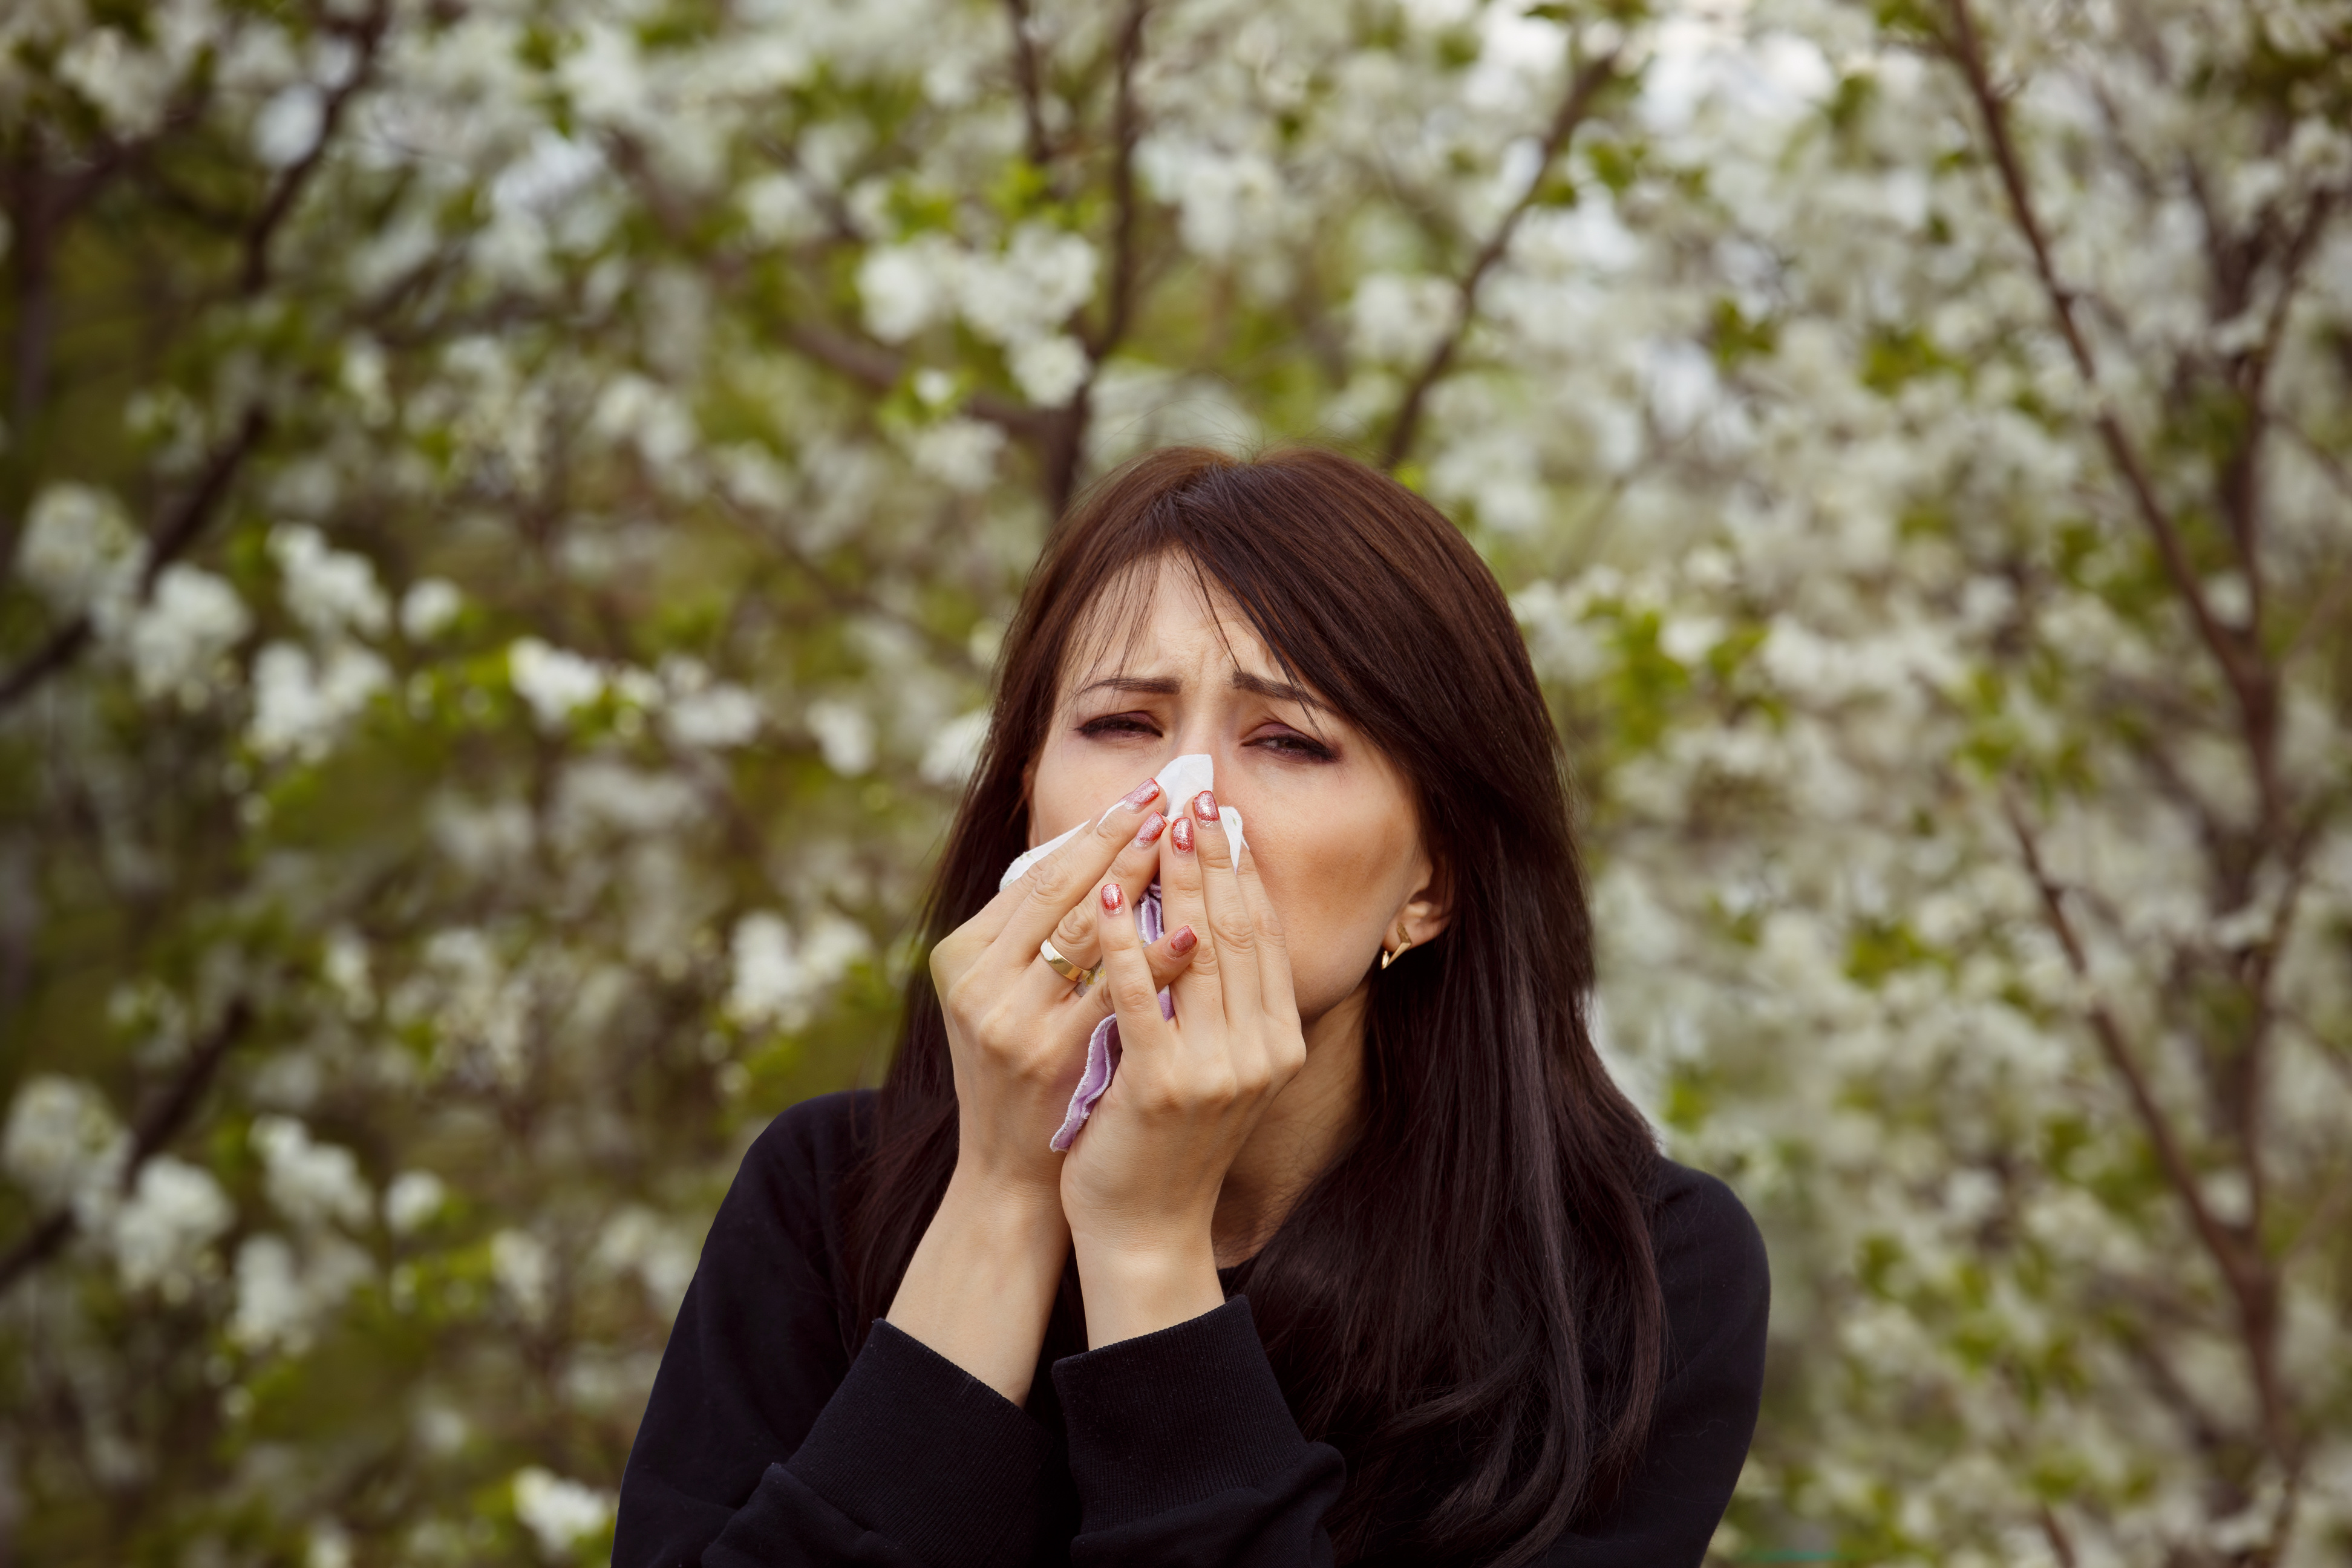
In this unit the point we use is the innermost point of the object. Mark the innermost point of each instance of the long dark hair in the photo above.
(1465, 1303)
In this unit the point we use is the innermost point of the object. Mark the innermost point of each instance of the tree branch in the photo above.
(161, 1123)
(367, 36)
(2248, 683)
(1026, 78)
(1583, 87)
(180, 529)
(1063, 446)
(2236, 1255)
(1126, 129)
(879, 369)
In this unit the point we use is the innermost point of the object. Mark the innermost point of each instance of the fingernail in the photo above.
(1150, 829)
(1183, 942)
(1204, 806)
(1140, 796)
(1183, 834)
(1112, 896)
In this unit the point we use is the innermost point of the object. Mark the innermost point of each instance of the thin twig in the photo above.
(181, 528)
(1966, 51)
(1574, 106)
(1063, 446)
(2236, 1255)
(879, 369)
(1039, 149)
(156, 1128)
(367, 36)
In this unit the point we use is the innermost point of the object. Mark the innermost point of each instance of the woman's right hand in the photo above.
(1016, 1027)
(982, 1281)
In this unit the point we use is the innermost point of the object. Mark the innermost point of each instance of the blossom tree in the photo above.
(508, 509)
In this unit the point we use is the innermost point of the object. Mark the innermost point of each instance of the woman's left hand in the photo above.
(1140, 1187)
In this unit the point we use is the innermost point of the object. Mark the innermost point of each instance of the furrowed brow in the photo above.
(1136, 685)
(1280, 691)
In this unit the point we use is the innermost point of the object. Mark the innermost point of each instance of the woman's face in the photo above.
(1329, 821)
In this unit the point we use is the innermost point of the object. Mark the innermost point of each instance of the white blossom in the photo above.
(844, 733)
(302, 704)
(524, 1266)
(310, 1183)
(332, 593)
(779, 976)
(554, 680)
(187, 626)
(638, 1241)
(284, 1298)
(962, 453)
(1050, 369)
(558, 1511)
(61, 1138)
(174, 1211)
(412, 1199)
(428, 608)
(78, 544)
(954, 751)
(1043, 275)
(718, 715)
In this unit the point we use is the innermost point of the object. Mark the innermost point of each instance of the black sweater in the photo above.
(766, 1443)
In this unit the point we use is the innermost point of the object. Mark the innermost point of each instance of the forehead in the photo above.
(1162, 616)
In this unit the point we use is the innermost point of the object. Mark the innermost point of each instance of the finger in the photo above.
(1183, 902)
(1169, 957)
(1274, 982)
(1231, 926)
(1062, 879)
(1127, 975)
(1137, 863)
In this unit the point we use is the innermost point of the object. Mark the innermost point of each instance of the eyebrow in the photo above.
(1168, 685)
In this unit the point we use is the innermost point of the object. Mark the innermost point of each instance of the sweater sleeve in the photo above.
(1184, 1452)
(1717, 1286)
(764, 1443)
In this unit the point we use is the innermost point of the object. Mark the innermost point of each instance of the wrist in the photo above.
(1005, 1209)
(1136, 1285)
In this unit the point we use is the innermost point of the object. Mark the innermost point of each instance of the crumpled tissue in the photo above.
(1180, 781)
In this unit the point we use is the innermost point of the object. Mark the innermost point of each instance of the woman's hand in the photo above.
(1140, 1188)
(982, 1279)
(1016, 1027)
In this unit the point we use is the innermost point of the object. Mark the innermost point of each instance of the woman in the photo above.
(1361, 1256)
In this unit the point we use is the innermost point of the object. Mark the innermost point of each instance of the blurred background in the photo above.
(509, 507)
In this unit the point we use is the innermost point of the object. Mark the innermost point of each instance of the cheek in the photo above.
(1334, 880)
(1073, 783)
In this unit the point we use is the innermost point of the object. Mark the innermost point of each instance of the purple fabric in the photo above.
(1102, 1045)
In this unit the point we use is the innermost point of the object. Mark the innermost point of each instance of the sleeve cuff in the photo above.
(916, 1449)
(1168, 1419)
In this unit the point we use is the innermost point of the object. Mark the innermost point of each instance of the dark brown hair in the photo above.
(1465, 1304)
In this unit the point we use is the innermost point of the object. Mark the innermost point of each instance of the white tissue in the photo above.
(1180, 781)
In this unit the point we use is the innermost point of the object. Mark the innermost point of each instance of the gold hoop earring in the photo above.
(1403, 941)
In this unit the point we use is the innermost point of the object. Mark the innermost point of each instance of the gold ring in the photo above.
(1081, 978)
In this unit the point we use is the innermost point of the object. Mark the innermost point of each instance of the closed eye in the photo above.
(1290, 742)
(1119, 724)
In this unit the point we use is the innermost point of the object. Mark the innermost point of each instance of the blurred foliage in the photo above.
(509, 508)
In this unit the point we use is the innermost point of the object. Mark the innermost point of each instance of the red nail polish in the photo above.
(1204, 806)
(1112, 898)
(1140, 796)
(1183, 942)
(1150, 829)
(1183, 834)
